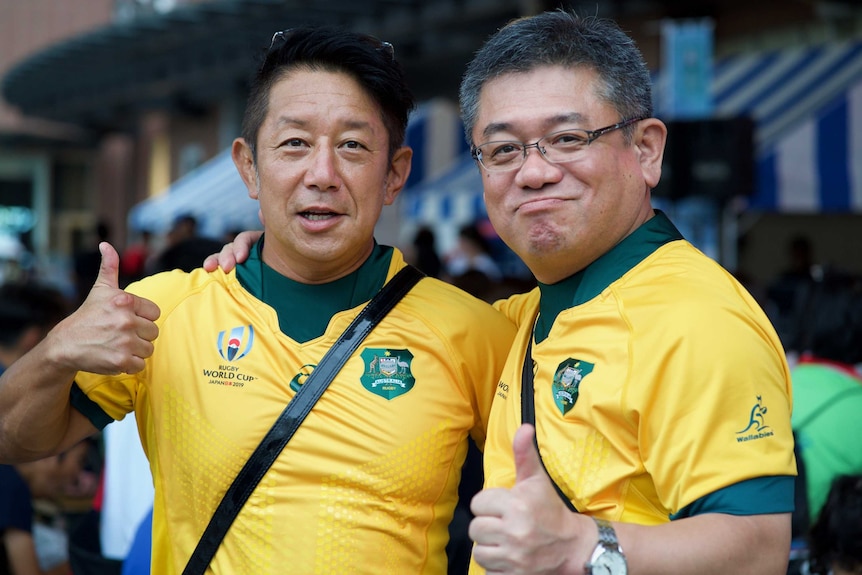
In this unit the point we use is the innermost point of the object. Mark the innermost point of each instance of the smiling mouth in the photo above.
(539, 203)
(317, 216)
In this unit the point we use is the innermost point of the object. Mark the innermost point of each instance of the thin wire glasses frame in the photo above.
(556, 147)
(376, 43)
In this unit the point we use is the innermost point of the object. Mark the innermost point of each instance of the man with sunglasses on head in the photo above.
(655, 387)
(368, 483)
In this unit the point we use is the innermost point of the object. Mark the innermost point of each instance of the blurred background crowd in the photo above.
(116, 117)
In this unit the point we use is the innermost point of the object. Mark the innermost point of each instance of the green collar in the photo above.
(304, 310)
(592, 280)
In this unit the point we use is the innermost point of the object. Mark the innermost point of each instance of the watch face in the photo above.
(610, 562)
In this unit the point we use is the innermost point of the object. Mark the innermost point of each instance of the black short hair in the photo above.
(366, 59)
(25, 305)
(837, 535)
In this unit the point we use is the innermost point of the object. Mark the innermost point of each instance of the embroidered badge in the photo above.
(387, 372)
(229, 345)
(567, 381)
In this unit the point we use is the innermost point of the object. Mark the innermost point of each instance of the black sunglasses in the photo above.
(387, 48)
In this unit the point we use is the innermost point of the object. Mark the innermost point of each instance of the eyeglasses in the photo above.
(558, 147)
(376, 43)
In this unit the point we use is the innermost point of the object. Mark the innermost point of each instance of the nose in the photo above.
(322, 171)
(535, 173)
(533, 145)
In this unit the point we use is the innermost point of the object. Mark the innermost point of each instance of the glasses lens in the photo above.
(564, 146)
(498, 156)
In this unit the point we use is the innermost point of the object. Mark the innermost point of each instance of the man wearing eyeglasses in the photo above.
(368, 483)
(658, 388)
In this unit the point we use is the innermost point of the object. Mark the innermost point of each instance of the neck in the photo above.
(313, 271)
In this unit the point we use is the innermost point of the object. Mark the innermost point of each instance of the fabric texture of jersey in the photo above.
(660, 382)
(827, 418)
(369, 482)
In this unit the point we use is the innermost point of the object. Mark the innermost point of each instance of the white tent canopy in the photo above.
(213, 193)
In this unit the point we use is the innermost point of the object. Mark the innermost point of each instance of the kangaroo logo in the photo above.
(756, 419)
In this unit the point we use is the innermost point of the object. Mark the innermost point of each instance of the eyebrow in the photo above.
(290, 121)
(496, 127)
(349, 124)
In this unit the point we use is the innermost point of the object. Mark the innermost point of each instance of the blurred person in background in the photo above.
(827, 390)
(133, 260)
(425, 255)
(85, 261)
(28, 311)
(14, 258)
(787, 293)
(836, 537)
(34, 543)
(472, 253)
(29, 546)
(185, 247)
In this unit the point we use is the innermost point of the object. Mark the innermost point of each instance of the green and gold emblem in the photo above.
(567, 381)
(387, 372)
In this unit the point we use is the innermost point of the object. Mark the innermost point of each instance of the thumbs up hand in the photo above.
(527, 529)
(112, 332)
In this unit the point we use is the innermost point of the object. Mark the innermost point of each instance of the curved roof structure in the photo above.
(198, 53)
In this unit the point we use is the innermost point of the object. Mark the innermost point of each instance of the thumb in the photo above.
(109, 268)
(527, 462)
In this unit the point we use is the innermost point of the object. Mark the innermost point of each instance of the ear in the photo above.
(650, 139)
(243, 159)
(399, 171)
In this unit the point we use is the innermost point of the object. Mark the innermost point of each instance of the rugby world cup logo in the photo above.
(230, 343)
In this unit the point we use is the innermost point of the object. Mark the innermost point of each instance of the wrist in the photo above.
(607, 557)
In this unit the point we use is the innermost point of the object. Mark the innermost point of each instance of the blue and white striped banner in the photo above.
(807, 107)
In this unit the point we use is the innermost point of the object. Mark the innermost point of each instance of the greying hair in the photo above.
(561, 38)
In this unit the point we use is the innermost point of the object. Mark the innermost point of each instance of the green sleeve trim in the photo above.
(757, 496)
(89, 408)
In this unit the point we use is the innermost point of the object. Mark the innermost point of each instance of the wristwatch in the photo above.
(607, 557)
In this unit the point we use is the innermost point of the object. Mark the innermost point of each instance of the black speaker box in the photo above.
(712, 158)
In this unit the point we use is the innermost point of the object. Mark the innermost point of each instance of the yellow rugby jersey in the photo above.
(369, 482)
(661, 388)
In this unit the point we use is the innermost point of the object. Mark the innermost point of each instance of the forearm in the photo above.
(35, 412)
(709, 544)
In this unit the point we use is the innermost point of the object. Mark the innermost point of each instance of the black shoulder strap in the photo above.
(294, 414)
(528, 413)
